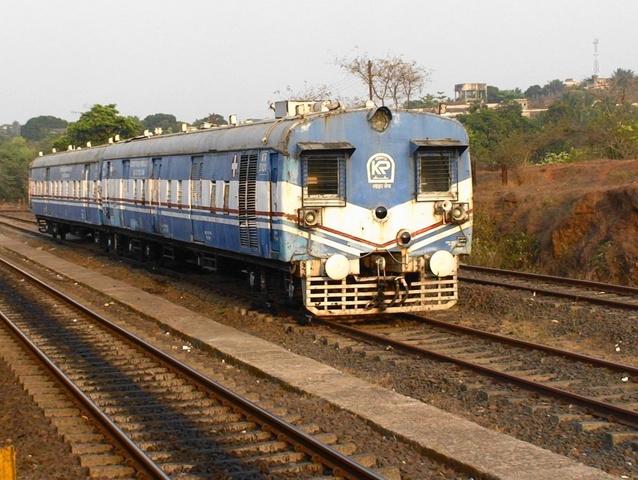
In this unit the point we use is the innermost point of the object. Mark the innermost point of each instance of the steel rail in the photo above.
(600, 286)
(142, 463)
(602, 409)
(340, 464)
(552, 293)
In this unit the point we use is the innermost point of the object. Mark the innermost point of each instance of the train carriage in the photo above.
(352, 211)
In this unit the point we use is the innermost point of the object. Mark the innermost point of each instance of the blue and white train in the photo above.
(349, 211)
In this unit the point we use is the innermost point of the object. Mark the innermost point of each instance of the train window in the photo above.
(213, 195)
(140, 188)
(226, 196)
(168, 193)
(436, 170)
(324, 178)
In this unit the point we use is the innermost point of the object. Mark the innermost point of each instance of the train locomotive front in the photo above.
(384, 204)
(349, 211)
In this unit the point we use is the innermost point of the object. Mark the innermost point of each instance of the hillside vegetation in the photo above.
(577, 219)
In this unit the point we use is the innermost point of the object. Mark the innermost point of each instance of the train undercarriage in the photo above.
(304, 284)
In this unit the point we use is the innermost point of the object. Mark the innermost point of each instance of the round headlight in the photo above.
(442, 263)
(337, 267)
(380, 119)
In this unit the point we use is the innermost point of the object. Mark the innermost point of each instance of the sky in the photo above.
(193, 58)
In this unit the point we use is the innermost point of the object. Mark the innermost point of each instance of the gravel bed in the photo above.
(59, 463)
(602, 332)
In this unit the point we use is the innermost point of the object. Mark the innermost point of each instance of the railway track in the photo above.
(162, 419)
(572, 289)
(477, 391)
(606, 391)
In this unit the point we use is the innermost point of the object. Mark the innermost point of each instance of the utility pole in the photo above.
(370, 79)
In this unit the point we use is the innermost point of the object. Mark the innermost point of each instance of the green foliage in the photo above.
(490, 128)
(213, 118)
(574, 155)
(164, 121)
(491, 248)
(609, 264)
(428, 101)
(15, 157)
(38, 128)
(97, 126)
(494, 95)
(590, 120)
(623, 142)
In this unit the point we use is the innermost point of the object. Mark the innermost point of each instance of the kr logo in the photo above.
(380, 168)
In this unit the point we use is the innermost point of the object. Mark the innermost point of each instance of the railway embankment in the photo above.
(576, 219)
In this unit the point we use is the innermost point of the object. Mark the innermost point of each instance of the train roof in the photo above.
(70, 157)
(276, 134)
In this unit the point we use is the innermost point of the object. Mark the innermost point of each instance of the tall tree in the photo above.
(164, 121)
(388, 79)
(97, 126)
(15, 157)
(39, 128)
(499, 135)
(212, 118)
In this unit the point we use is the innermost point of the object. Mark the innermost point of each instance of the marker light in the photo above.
(381, 212)
(404, 238)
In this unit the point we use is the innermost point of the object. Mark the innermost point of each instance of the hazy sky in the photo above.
(190, 58)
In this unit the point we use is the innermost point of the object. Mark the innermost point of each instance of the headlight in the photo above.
(380, 118)
(337, 267)
(442, 263)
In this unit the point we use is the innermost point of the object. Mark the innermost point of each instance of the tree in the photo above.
(15, 157)
(553, 89)
(212, 118)
(97, 126)
(389, 78)
(619, 114)
(569, 123)
(624, 84)
(428, 101)
(494, 95)
(533, 92)
(499, 135)
(39, 128)
(164, 121)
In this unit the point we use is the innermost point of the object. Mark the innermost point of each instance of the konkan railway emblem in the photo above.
(380, 168)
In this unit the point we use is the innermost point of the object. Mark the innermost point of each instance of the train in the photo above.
(345, 212)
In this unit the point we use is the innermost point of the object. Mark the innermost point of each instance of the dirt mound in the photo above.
(583, 215)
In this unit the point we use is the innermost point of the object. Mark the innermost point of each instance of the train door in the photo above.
(107, 206)
(155, 194)
(274, 203)
(125, 193)
(84, 193)
(48, 189)
(196, 212)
